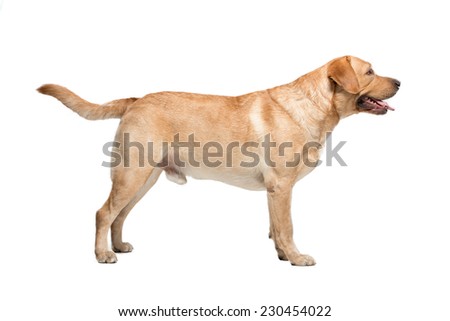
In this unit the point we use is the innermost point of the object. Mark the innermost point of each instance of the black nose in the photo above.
(397, 83)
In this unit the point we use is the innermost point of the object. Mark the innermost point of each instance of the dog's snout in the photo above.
(397, 83)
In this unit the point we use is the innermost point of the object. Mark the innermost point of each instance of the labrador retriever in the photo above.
(265, 140)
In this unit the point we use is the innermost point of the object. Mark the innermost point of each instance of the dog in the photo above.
(276, 136)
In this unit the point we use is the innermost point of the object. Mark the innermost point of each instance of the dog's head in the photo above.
(357, 88)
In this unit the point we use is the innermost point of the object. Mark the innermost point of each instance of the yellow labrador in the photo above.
(265, 140)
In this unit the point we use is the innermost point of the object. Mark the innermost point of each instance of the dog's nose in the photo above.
(397, 83)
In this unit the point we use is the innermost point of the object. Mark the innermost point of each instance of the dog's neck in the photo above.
(309, 106)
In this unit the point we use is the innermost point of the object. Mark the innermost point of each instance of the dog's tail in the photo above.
(113, 109)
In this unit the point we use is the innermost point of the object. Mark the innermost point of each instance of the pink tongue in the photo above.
(384, 104)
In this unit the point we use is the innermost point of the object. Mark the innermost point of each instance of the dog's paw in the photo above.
(302, 260)
(123, 248)
(106, 257)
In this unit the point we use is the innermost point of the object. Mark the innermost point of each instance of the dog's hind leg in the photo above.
(118, 245)
(127, 183)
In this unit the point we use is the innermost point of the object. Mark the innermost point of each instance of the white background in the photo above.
(378, 228)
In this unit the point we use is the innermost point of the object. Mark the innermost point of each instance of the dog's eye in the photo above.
(370, 72)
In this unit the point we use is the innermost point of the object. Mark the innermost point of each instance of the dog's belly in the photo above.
(247, 178)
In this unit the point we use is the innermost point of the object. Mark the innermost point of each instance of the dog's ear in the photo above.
(342, 73)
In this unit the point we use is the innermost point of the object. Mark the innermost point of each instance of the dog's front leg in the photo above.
(281, 230)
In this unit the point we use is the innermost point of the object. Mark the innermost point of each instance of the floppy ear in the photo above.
(341, 71)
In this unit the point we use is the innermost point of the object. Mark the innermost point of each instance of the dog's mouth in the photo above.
(373, 105)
